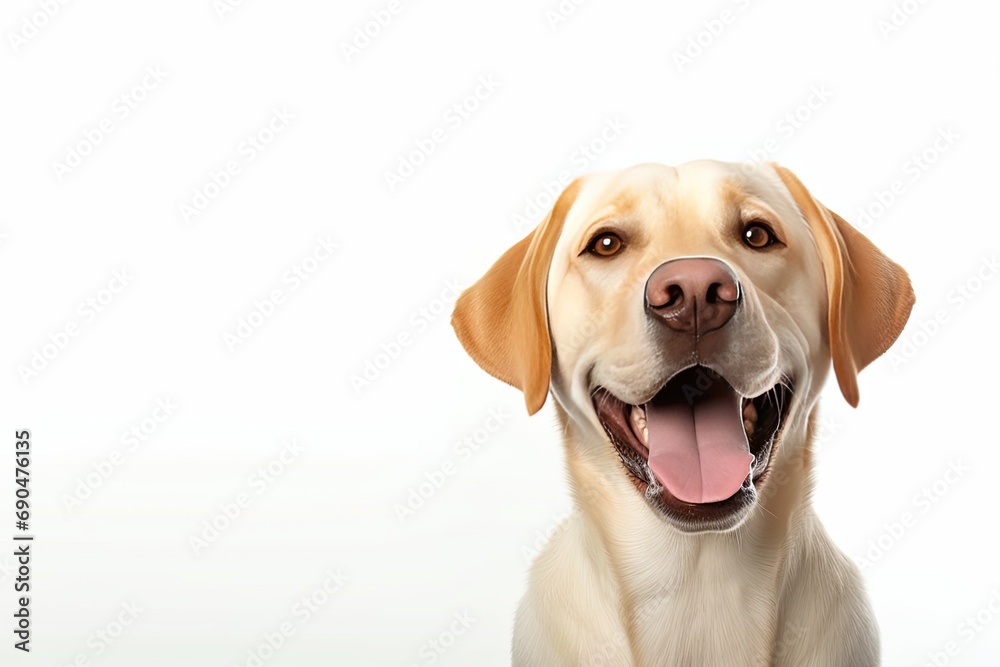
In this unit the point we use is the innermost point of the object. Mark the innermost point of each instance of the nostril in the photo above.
(712, 296)
(674, 295)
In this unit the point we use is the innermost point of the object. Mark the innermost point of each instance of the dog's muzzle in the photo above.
(697, 448)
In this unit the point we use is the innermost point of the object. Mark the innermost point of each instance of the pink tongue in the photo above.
(699, 451)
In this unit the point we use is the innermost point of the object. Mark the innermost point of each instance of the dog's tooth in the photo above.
(748, 425)
(638, 418)
(750, 412)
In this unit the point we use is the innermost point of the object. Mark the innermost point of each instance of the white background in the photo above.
(888, 95)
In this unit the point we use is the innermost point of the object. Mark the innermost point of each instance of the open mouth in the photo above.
(698, 450)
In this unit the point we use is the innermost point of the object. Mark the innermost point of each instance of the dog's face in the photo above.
(684, 320)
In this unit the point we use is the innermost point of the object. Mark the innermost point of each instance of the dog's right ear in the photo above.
(502, 320)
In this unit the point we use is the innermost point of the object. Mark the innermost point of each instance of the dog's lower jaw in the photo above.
(618, 586)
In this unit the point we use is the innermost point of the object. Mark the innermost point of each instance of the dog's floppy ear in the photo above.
(502, 319)
(870, 296)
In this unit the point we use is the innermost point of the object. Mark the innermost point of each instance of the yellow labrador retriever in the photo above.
(684, 320)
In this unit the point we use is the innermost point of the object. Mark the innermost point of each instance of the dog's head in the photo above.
(685, 318)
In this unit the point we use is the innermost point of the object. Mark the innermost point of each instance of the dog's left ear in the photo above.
(870, 296)
(502, 320)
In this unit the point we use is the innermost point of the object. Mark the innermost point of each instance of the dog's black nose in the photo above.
(693, 295)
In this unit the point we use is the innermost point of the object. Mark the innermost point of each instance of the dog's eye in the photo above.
(605, 244)
(757, 235)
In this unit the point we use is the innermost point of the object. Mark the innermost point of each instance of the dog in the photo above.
(684, 320)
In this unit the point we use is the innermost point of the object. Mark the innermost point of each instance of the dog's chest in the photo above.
(708, 615)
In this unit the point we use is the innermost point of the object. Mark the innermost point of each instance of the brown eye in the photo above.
(757, 235)
(605, 244)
